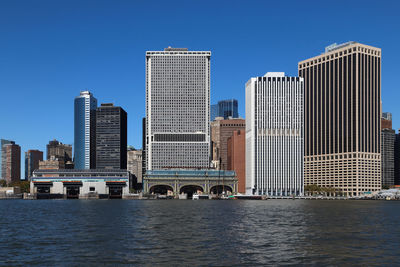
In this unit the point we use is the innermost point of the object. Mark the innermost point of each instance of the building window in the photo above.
(92, 189)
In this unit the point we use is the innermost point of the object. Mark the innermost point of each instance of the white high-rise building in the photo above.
(177, 109)
(274, 135)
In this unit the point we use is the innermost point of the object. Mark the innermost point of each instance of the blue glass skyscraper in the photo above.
(228, 108)
(85, 131)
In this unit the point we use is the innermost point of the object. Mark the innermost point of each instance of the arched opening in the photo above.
(161, 189)
(219, 189)
(190, 190)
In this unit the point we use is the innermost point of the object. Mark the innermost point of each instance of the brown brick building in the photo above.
(221, 130)
(13, 163)
(236, 150)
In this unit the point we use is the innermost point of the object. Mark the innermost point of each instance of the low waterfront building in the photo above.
(72, 183)
(180, 181)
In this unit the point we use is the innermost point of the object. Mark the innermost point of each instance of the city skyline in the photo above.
(42, 62)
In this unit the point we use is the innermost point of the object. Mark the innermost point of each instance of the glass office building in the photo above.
(228, 108)
(214, 112)
(85, 131)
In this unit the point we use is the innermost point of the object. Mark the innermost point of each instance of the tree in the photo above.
(3, 183)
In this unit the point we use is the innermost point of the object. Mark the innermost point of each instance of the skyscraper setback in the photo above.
(342, 118)
(177, 109)
(85, 131)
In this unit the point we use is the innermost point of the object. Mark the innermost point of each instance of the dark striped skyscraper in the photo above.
(342, 118)
(111, 137)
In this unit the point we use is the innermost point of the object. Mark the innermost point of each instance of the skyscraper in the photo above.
(12, 164)
(85, 131)
(177, 108)
(228, 108)
(32, 158)
(342, 118)
(3, 157)
(274, 135)
(111, 137)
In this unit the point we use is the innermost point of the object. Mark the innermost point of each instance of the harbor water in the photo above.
(199, 233)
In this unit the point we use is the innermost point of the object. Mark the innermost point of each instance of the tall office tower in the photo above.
(214, 112)
(274, 135)
(221, 130)
(111, 137)
(3, 157)
(342, 118)
(32, 158)
(177, 109)
(12, 163)
(59, 150)
(135, 159)
(228, 108)
(237, 159)
(85, 131)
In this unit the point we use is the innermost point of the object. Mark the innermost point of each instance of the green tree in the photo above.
(3, 183)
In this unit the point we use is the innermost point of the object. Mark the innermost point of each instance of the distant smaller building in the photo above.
(237, 157)
(32, 158)
(180, 181)
(59, 150)
(135, 162)
(227, 109)
(71, 183)
(11, 166)
(52, 164)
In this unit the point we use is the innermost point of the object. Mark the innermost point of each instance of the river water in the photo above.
(199, 233)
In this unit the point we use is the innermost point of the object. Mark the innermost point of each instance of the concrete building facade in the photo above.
(32, 158)
(342, 118)
(176, 182)
(111, 137)
(237, 158)
(221, 130)
(85, 131)
(177, 109)
(274, 135)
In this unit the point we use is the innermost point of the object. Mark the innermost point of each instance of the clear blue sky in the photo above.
(51, 50)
